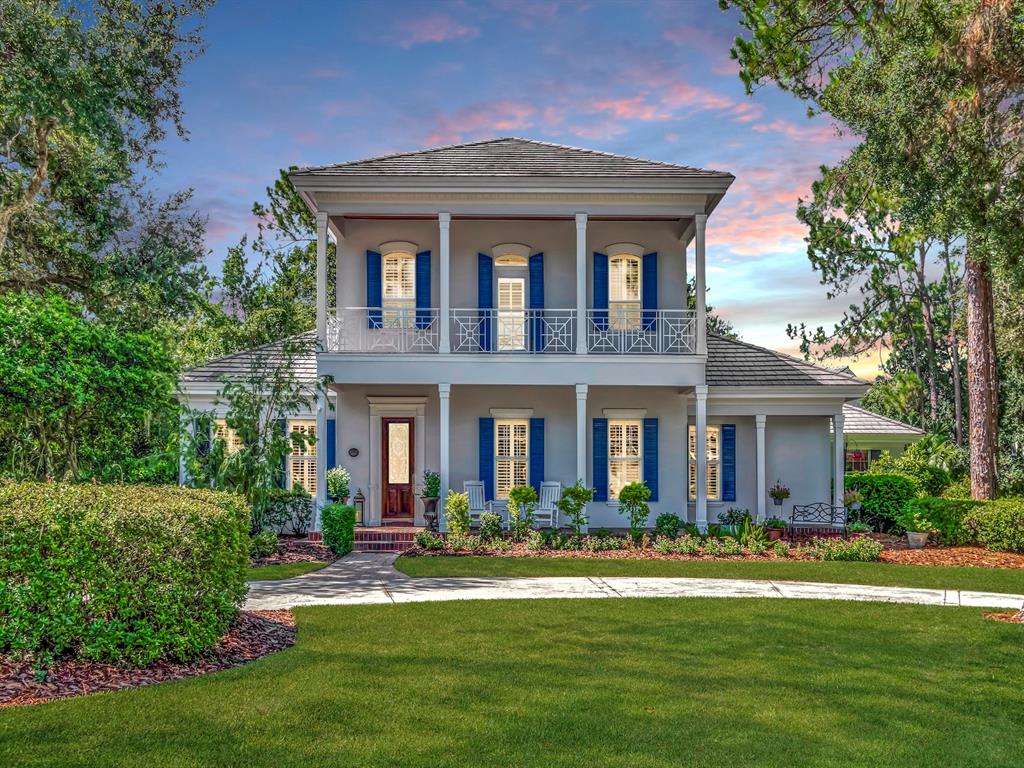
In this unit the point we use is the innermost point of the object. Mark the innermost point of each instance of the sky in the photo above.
(309, 83)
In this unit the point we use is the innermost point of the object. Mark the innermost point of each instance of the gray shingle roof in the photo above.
(738, 364)
(511, 157)
(242, 364)
(857, 420)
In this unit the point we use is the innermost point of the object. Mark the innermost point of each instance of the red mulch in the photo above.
(1010, 617)
(297, 550)
(253, 635)
(971, 557)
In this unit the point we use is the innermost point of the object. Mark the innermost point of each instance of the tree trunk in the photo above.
(981, 385)
(929, 333)
(954, 354)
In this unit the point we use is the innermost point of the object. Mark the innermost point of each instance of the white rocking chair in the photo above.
(546, 513)
(477, 505)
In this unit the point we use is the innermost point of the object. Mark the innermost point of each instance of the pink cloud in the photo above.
(435, 28)
(683, 94)
(815, 134)
(481, 119)
(326, 73)
(630, 108)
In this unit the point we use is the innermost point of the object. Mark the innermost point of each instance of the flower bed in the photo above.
(296, 550)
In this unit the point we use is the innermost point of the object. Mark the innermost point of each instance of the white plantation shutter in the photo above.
(624, 466)
(624, 292)
(399, 289)
(512, 456)
(714, 442)
(511, 313)
(221, 431)
(302, 461)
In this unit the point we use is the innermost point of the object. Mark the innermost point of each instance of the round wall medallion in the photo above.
(353, 452)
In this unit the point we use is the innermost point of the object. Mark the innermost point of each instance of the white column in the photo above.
(321, 457)
(581, 283)
(700, 220)
(444, 467)
(762, 488)
(701, 392)
(444, 221)
(839, 459)
(321, 279)
(188, 431)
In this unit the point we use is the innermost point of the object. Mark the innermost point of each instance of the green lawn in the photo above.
(551, 683)
(282, 571)
(884, 574)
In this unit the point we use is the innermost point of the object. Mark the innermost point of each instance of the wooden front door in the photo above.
(398, 468)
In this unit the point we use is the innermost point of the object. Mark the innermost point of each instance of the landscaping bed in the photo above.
(296, 550)
(969, 557)
(254, 634)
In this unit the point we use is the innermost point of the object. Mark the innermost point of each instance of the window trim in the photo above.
(308, 457)
(513, 459)
(691, 463)
(613, 497)
(232, 443)
(399, 311)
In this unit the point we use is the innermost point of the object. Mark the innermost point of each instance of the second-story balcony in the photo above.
(411, 330)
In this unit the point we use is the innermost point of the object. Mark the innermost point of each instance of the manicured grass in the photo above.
(882, 574)
(589, 683)
(282, 571)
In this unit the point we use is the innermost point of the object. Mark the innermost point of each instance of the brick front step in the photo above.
(385, 539)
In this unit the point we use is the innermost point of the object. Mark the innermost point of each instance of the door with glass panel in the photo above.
(511, 314)
(397, 468)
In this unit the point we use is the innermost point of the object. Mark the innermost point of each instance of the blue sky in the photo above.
(320, 82)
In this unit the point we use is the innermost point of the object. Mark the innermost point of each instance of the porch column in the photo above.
(444, 221)
(762, 490)
(581, 433)
(444, 395)
(188, 431)
(700, 222)
(321, 279)
(839, 460)
(581, 283)
(701, 391)
(321, 456)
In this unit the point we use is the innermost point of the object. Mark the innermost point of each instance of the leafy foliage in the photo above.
(667, 524)
(859, 549)
(522, 501)
(884, 496)
(118, 573)
(456, 508)
(490, 526)
(573, 504)
(944, 517)
(338, 522)
(998, 525)
(633, 500)
(338, 479)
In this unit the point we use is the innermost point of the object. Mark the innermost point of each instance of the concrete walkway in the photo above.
(372, 579)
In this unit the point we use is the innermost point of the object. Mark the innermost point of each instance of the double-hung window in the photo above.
(714, 454)
(511, 313)
(624, 452)
(221, 431)
(624, 292)
(399, 289)
(302, 460)
(511, 455)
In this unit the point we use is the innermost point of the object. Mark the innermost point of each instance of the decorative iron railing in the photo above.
(511, 331)
(631, 331)
(401, 330)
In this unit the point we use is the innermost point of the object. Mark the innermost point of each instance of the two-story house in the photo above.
(512, 311)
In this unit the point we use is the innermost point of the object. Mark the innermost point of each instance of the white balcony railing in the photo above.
(404, 330)
(622, 331)
(510, 331)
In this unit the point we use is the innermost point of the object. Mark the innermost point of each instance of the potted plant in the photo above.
(431, 494)
(775, 527)
(338, 479)
(732, 519)
(853, 499)
(917, 527)
(779, 493)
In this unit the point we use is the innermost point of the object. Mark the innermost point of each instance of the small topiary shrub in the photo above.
(997, 525)
(124, 574)
(573, 504)
(522, 501)
(263, 544)
(289, 509)
(667, 524)
(339, 527)
(429, 541)
(456, 508)
(633, 500)
(884, 496)
(490, 526)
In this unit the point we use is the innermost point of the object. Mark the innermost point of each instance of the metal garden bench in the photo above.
(817, 516)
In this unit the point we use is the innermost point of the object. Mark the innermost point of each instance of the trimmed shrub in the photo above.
(929, 479)
(116, 573)
(860, 549)
(958, 489)
(884, 496)
(997, 525)
(944, 517)
(633, 500)
(522, 501)
(456, 508)
(490, 526)
(263, 544)
(667, 524)
(428, 540)
(289, 509)
(339, 527)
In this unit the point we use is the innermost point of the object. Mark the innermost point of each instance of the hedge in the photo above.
(339, 527)
(998, 525)
(884, 496)
(118, 573)
(945, 516)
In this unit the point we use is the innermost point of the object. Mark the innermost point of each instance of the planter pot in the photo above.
(339, 499)
(430, 511)
(916, 540)
(777, 502)
(856, 506)
(775, 534)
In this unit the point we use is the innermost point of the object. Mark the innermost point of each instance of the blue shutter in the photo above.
(485, 298)
(599, 450)
(537, 302)
(728, 462)
(600, 291)
(536, 453)
(423, 289)
(332, 443)
(649, 290)
(487, 456)
(651, 456)
(374, 291)
(282, 481)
